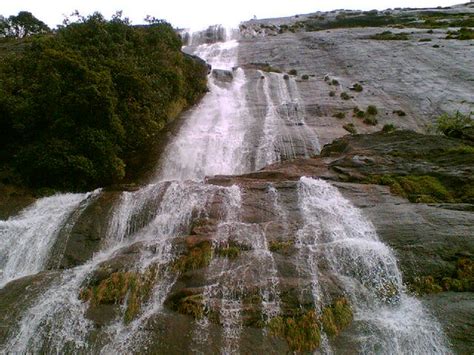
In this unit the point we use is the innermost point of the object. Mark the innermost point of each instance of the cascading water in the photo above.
(26, 239)
(147, 228)
(336, 236)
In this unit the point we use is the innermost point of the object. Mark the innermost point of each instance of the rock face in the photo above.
(222, 75)
(395, 75)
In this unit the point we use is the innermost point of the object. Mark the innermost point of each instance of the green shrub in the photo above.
(305, 77)
(372, 110)
(282, 247)
(399, 113)
(345, 96)
(389, 36)
(388, 128)
(424, 40)
(370, 120)
(452, 125)
(332, 93)
(339, 115)
(349, 127)
(334, 82)
(293, 72)
(357, 87)
(463, 34)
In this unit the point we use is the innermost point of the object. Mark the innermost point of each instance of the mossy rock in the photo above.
(195, 258)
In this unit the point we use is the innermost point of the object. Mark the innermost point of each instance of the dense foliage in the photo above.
(22, 25)
(79, 106)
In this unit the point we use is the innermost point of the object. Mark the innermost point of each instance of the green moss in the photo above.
(195, 258)
(302, 330)
(422, 189)
(349, 127)
(302, 333)
(345, 96)
(129, 288)
(281, 247)
(230, 250)
(461, 280)
(187, 303)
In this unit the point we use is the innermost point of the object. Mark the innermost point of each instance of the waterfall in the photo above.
(26, 239)
(148, 229)
(337, 235)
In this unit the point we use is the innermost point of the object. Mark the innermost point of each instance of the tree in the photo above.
(22, 25)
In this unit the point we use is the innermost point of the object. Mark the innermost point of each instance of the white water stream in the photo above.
(216, 139)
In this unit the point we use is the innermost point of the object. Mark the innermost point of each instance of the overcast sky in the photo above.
(198, 13)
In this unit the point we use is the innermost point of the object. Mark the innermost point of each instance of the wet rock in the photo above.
(87, 234)
(223, 76)
(17, 296)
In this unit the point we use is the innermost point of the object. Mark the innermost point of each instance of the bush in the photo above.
(370, 120)
(389, 36)
(399, 113)
(452, 125)
(305, 77)
(332, 93)
(388, 128)
(293, 72)
(349, 127)
(345, 96)
(339, 115)
(372, 110)
(357, 87)
(334, 82)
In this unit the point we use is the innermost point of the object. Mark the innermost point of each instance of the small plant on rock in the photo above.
(345, 96)
(349, 127)
(372, 110)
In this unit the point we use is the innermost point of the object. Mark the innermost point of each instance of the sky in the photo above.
(197, 14)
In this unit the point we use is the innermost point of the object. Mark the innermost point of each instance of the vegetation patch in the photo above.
(387, 128)
(452, 125)
(372, 110)
(423, 188)
(389, 36)
(349, 127)
(461, 280)
(345, 96)
(370, 120)
(293, 72)
(463, 34)
(188, 303)
(302, 331)
(129, 288)
(305, 77)
(357, 87)
(230, 249)
(399, 113)
(339, 115)
(195, 258)
(332, 93)
(284, 247)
